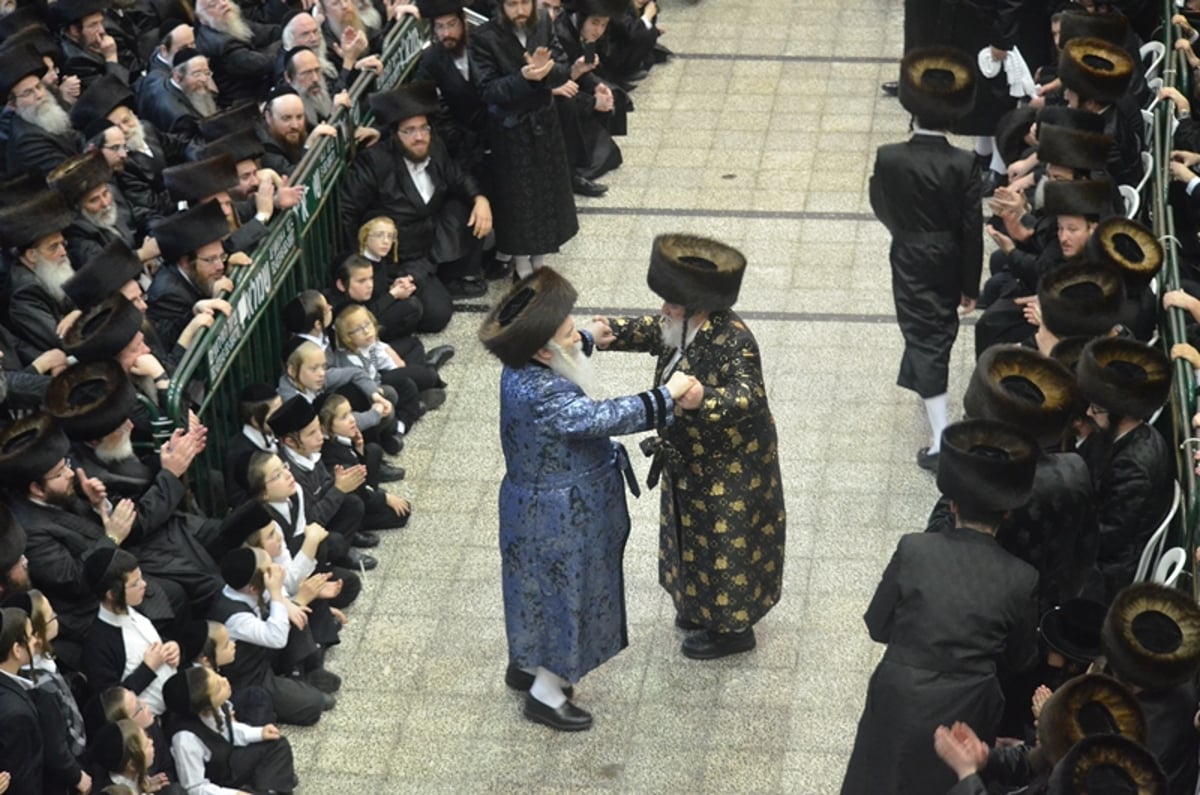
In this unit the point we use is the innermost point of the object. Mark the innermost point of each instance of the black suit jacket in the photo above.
(32, 148)
(169, 302)
(21, 745)
(463, 119)
(88, 66)
(163, 104)
(32, 311)
(241, 70)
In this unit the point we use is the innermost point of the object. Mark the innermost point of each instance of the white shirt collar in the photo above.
(259, 439)
(306, 462)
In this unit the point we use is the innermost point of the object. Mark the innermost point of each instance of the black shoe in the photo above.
(390, 474)
(328, 702)
(325, 681)
(467, 287)
(436, 357)
(567, 718)
(517, 679)
(709, 645)
(585, 187)
(927, 460)
(391, 444)
(891, 88)
(358, 560)
(685, 625)
(364, 540)
(640, 74)
(497, 269)
(432, 399)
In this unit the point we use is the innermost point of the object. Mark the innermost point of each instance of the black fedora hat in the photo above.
(1073, 629)
(405, 102)
(200, 180)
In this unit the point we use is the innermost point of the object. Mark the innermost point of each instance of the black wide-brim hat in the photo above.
(986, 465)
(246, 520)
(200, 180)
(1011, 131)
(1095, 69)
(1112, 28)
(241, 145)
(1125, 376)
(1081, 299)
(405, 102)
(104, 330)
(697, 273)
(1079, 150)
(68, 12)
(1073, 629)
(79, 175)
(613, 9)
(1107, 765)
(21, 188)
(105, 272)
(1086, 706)
(102, 97)
(37, 37)
(1022, 387)
(1151, 636)
(183, 233)
(1128, 245)
(90, 401)
(293, 416)
(1087, 197)
(17, 64)
(432, 9)
(12, 539)
(227, 122)
(30, 448)
(23, 225)
(527, 317)
(937, 84)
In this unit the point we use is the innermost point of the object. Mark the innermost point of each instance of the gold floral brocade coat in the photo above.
(722, 526)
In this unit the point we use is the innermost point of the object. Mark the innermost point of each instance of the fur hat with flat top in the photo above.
(937, 85)
(528, 317)
(697, 273)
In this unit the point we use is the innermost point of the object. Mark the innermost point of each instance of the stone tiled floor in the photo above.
(760, 134)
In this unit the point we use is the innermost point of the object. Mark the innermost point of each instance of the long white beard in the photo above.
(112, 451)
(327, 66)
(1039, 194)
(52, 274)
(136, 138)
(202, 100)
(672, 333)
(232, 25)
(573, 365)
(48, 115)
(105, 218)
(317, 107)
(369, 15)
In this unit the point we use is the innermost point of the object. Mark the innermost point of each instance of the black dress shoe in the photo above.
(685, 625)
(391, 444)
(585, 187)
(436, 357)
(325, 681)
(467, 287)
(520, 680)
(358, 560)
(927, 460)
(432, 398)
(891, 88)
(390, 474)
(497, 269)
(709, 645)
(567, 718)
(328, 702)
(364, 540)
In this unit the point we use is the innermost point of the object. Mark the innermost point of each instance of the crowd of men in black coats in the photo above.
(146, 149)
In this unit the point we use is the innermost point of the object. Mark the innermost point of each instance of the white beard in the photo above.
(106, 219)
(369, 15)
(137, 138)
(672, 333)
(232, 25)
(1039, 194)
(48, 115)
(317, 107)
(202, 100)
(327, 66)
(52, 274)
(574, 366)
(110, 452)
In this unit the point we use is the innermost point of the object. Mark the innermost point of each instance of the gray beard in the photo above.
(235, 27)
(574, 366)
(317, 108)
(48, 115)
(136, 139)
(1039, 195)
(672, 333)
(369, 15)
(106, 219)
(52, 274)
(327, 67)
(202, 101)
(115, 451)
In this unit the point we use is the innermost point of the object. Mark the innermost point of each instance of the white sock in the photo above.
(523, 265)
(998, 163)
(985, 145)
(547, 688)
(537, 261)
(937, 408)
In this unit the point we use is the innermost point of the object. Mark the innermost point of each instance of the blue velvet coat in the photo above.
(563, 518)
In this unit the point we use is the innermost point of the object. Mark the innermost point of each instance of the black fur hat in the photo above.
(202, 179)
(90, 401)
(29, 449)
(1022, 387)
(1081, 299)
(104, 330)
(1125, 376)
(527, 318)
(37, 37)
(236, 119)
(20, 188)
(183, 233)
(1071, 118)
(1151, 636)
(102, 97)
(16, 64)
(23, 225)
(1128, 245)
(695, 272)
(241, 145)
(79, 175)
(1112, 28)
(68, 12)
(1087, 197)
(106, 272)
(1068, 350)
(405, 102)
(293, 416)
(937, 84)
(1086, 706)
(987, 465)
(1011, 131)
(1095, 69)
(1107, 764)
(1075, 149)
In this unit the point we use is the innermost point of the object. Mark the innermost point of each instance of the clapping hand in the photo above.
(537, 65)
(960, 748)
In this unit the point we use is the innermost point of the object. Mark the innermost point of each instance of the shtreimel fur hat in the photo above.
(1128, 245)
(1151, 636)
(987, 465)
(1124, 376)
(90, 401)
(1021, 387)
(1095, 69)
(1081, 299)
(695, 272)
(527, 318)
(1108, 765)
(937, 85)
(1086, 706)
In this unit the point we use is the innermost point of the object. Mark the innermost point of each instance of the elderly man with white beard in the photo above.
(563, 517)
(33, 229)
(41, 136)
(176, 104)
(302, 71)
(102, 213)
(241, 53)
(300, 29)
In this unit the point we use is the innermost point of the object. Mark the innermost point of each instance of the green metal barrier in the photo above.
(298, 253)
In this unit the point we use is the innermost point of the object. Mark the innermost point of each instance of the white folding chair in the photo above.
(1148, 120)
(1133, 200)
(1170, 566)
(1152, 53)
(1147, 168)
(1153, 548)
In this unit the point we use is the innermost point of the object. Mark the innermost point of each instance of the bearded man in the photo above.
(563, 518)
(462, 124)
(723, 520)
(241, 54)
(103, 214)
(302, 71)
(88, 50)
(41, 136)
(285, 133)
(41, 266)
(178, 103)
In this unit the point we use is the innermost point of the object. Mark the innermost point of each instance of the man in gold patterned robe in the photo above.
(722, 523)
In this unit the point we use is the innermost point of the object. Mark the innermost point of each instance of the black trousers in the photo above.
(262, 767)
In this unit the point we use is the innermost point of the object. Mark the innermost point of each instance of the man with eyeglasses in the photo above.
(193, 271)
(178, 103)
(439, 209)
(41, 136)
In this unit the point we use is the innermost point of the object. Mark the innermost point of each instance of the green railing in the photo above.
(298, 253)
